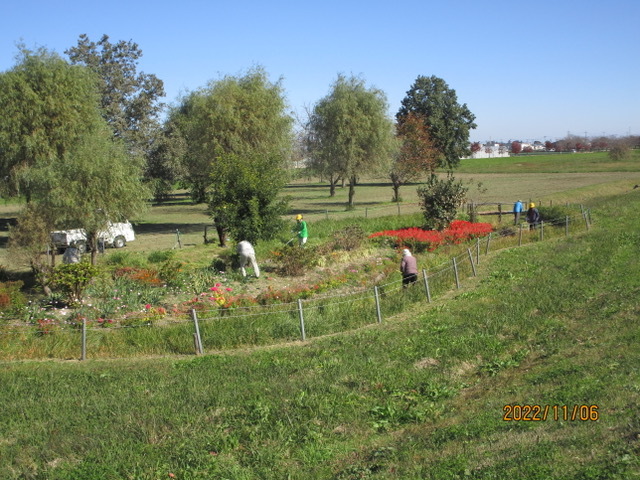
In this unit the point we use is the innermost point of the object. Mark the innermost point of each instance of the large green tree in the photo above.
(46, 105)
(61, 151)
(96, 182)
(130, 100)
(349, 132)
(244, 199)
(236, 126)
(448, 122)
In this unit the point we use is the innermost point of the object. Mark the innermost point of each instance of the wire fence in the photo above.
(212, 329)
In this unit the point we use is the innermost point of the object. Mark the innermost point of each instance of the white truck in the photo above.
(116, 235)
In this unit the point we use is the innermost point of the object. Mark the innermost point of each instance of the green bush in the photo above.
(160, 256)
(440, 200)
(73, 279)
(555, 214)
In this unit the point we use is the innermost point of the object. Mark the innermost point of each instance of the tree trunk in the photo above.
(352, 191)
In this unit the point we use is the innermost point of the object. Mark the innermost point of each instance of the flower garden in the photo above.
(429, 240)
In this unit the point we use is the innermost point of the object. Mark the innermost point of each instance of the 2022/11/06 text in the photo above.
(541, 413)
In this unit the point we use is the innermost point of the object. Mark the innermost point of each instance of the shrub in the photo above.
(74, 278)
(555, 214)
(294, 261)
(12, 300)
(160, 256)
(440, 200)
(349, 238)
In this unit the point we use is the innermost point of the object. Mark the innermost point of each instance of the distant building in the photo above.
(491, 150)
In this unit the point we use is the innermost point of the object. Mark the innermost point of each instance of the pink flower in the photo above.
(214, 289)
(228, 289)
(147, 306)
(218, 284)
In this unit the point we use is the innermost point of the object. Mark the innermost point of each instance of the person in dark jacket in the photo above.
(408, 268)
(533, 216)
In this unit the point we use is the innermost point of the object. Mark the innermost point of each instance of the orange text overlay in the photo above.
(541, 413)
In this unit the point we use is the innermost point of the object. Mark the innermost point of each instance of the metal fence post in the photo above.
(473, 267)
(302, 332)
(520, 237)
(542, 230)
(426, 285)
(455, 271)
(566, 226)
(84, 339)
(375, 292)
(488, 242)
(196, 336)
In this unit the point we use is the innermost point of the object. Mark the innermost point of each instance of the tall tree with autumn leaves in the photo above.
(416, 154)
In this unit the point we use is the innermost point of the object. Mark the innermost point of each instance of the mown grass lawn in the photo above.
(422, 395)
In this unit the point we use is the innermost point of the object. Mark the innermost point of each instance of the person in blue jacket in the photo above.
(518, 207)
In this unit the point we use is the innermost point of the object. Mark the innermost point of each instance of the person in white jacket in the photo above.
(247, 254)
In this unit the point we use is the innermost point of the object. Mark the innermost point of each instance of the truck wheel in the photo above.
(119, 242)
(81, 246)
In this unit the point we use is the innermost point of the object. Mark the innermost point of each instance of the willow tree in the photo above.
(350, 133)
(46, 105)
(60, 152)
(236, 126)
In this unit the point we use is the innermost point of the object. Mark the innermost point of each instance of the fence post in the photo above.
(488, 242)
(426, 285)
(455, 271)
(375, 292)
(499, 213)
(326, 214)
(520, 237)
(196, 336)
(542, 230)
(473, 267)
(478, 251)
(302, 332)
(84, 339)
(566, 226)
(586, 222)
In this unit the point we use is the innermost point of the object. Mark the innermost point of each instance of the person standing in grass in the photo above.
(533, 216)
(408, 268)
(517, 210)
(302, 231)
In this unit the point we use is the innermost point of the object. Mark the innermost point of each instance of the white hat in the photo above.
(406, 252)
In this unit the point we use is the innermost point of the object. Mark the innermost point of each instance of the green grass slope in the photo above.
(421, 396)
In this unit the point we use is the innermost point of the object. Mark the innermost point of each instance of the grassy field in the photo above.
(421, 396)
(552, 163)
(437, 391)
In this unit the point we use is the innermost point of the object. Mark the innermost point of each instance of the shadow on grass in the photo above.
(160, 228)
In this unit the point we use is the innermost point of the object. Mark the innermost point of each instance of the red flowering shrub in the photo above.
(418, 238)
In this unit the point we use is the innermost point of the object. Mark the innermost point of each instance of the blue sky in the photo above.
(527, 70)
